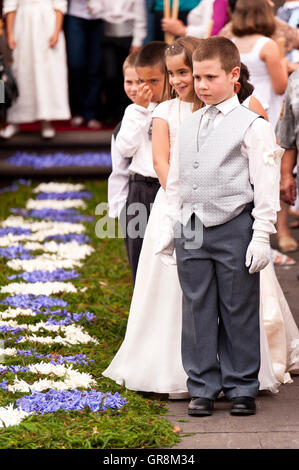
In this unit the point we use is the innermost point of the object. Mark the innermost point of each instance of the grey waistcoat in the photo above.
(214, 179)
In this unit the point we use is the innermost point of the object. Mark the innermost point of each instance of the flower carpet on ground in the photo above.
(40, 288)
(64, 302)
(60, 159)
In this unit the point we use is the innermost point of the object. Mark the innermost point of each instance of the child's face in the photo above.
(131, 83)
(211, 82)
(180, 77)
(154, 78)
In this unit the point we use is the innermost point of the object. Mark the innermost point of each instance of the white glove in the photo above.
(258, 252)
(164, 246)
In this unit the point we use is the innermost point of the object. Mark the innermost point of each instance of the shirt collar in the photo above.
(226, 106)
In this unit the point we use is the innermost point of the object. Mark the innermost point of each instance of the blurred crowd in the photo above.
(66, 56)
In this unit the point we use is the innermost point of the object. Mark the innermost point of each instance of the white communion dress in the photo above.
(149, 359)
(261, 80)
(40, 71)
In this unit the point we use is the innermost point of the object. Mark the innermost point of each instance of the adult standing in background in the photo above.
(39, 63)
(198, 20)
(185, 6)
(125, 28)
(83, 31)
(282, 29)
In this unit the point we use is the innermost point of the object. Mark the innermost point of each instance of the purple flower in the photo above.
(10, 329)
(56, 359)
(66, 195)
(60, 159)
(45, 276)
(53, 400)
(14, 231)
(35, 302)
(78, 237)
(63, 215)
(18, 251)
(3, 384)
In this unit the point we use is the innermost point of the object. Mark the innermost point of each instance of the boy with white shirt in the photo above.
(224, 182)
(118, 181)
(134, 141)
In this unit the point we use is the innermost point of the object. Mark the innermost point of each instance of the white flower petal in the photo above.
(58, 187)
(55, 204)
(38, 288)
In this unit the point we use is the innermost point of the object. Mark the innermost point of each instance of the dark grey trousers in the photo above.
(220, 335)
(142, 190)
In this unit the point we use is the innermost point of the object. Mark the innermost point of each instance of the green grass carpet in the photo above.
(142, 423)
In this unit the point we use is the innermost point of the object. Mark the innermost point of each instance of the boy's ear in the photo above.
(235, 73)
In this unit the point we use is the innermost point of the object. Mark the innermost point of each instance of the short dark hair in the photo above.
(218, 46)
(152, 54)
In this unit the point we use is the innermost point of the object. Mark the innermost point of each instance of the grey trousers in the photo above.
(220, 335)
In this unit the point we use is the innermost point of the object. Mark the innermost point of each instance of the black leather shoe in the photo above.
(243, 406)
(201, 407)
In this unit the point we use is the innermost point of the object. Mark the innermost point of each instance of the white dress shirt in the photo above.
(134, 139)
(198, 19)
(123, 18)
(264, 155)
(82, 9)
(118, 182)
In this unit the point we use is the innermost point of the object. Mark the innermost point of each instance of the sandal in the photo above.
(279, 259)
(287, 243)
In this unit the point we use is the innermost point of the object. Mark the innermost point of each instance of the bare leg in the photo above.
(285, 241)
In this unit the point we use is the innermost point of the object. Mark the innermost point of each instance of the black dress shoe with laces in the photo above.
(201, 407)
(243, 406)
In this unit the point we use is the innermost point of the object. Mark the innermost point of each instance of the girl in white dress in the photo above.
(252, 25)
(149, 358)
(39, 63)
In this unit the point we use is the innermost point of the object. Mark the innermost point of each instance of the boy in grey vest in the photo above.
(223, 186)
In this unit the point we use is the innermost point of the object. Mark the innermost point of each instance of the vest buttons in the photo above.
(195, 165)
(194, 187)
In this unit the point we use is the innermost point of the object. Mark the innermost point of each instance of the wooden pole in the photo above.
(175, 9)
(209, 30)
(281, 44)
(167, 36)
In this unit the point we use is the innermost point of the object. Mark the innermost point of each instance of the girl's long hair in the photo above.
(186, 46)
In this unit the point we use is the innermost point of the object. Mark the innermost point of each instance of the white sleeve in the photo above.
(199, 18)
(118, 181)
(60, 5)
(162, 111)
(10, 5)
(173, 184)
(140, 23)
(134, 125)
(264, 155)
